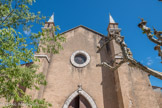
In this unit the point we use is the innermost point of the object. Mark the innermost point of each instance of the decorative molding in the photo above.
(118, 57)
(43, 56)
(80, 91)
(115, 29)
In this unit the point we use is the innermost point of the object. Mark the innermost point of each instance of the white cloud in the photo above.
(142, 61)
(27, 32)
(158, 57)
(149, 61)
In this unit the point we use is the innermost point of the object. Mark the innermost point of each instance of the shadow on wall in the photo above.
(108, 80)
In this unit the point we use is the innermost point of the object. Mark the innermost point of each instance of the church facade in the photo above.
(76, 81)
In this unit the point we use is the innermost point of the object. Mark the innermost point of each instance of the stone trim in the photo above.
(80, 91)
(80, 52)
(42, 56)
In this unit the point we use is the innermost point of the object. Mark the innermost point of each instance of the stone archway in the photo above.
(79, 102)
(80, 92)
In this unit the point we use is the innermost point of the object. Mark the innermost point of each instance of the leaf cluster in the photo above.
(15, 78)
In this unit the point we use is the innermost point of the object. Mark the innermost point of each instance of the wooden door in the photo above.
(79, 102)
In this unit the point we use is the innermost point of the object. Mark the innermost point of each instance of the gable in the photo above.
(81, 26)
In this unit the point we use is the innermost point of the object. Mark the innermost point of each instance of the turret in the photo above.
(113, 26)
(50, 22)
(44, 57)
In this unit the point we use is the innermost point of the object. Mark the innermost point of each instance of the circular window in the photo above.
(80, 58)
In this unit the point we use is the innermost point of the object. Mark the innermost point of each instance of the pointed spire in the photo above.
(51, 18)
(50, 22)
(113, 26)
(111, 20)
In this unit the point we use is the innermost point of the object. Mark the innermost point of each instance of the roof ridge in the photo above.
(85, 28)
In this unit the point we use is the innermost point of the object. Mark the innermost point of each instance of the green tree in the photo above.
(15, 78)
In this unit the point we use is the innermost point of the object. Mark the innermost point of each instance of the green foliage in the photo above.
(51, 42)
(14, 77)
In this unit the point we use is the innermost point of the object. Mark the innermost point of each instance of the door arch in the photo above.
(80, 93)
(79, 102)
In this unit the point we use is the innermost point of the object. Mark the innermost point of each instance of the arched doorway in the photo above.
(79, 99)
(79, 102)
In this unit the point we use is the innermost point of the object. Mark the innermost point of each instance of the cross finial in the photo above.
(79, 88)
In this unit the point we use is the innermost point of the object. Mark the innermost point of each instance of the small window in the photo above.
(80, 58)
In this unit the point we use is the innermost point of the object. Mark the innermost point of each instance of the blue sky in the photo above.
(95, 15)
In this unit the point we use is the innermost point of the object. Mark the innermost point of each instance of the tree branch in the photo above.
(127, 57)
(10, 13)
(100, 48)
(111, 67)
(150, 36)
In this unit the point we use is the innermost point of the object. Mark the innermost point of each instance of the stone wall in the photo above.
(63, 78)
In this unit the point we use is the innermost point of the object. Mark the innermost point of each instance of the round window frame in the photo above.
(83, 53)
